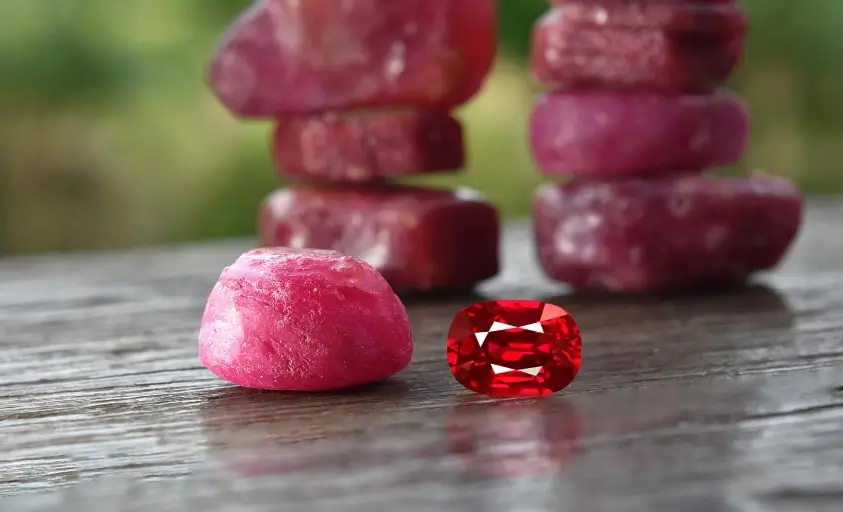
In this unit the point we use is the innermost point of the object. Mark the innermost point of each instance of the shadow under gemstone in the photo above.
(725, 300)
(467, 295)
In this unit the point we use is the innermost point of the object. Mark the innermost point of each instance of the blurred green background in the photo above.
(109, 138)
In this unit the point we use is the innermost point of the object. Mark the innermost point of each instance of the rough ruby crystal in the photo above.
(643, 3)
(514, 348)
(683, 16)
(303, 321)
(600, 134)
(418, 238)
(674, 47)
(648, 235)
(368, 146)
(286, 57)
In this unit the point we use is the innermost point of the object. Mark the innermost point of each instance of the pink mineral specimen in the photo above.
(674, 15)
(284, 57)
(602, 134)
(303, 321)
(642, 3)
(648, 235)
(672, 47)
(368, 146)
(420, 239)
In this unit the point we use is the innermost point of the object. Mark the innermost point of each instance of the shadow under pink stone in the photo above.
(724, 299)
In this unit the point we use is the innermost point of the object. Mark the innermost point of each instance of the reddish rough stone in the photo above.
(609, 134)
(368, 146)
(647, 235)
(655, 46)
(514, 348)
(303, 321)
(418, 238)
(642, 3)
(286, 57)
(696, 16)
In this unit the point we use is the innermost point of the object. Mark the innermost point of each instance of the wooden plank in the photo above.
(729, 401)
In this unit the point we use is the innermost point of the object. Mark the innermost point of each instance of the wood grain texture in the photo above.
(716, 402)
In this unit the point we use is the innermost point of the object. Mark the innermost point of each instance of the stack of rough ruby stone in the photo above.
(636, 117)
(362, 91)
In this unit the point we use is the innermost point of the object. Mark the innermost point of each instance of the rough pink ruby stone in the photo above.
(672, 47)
(285, 57)
(602, 134)
(303, 321)
(712, 17)
(643, 4)
(368, 146)
(646, 235)
(419, 238)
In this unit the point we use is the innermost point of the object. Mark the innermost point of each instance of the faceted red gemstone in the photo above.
(514, 348)
(285, 57)
(653, 46)
(368, 146)
(419, 238)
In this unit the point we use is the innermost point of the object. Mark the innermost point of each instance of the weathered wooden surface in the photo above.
(722, 402)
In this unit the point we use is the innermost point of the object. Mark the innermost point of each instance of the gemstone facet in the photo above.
(303, 321)
(514, 348)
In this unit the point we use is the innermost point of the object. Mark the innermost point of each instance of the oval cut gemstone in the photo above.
(514, 348)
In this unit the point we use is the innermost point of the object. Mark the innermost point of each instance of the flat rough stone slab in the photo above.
(602, 134)
(650, 235)
(668, 47)
(292, 57)
(303, 321)
(420, 239)
(368, 146)
(695, 14)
